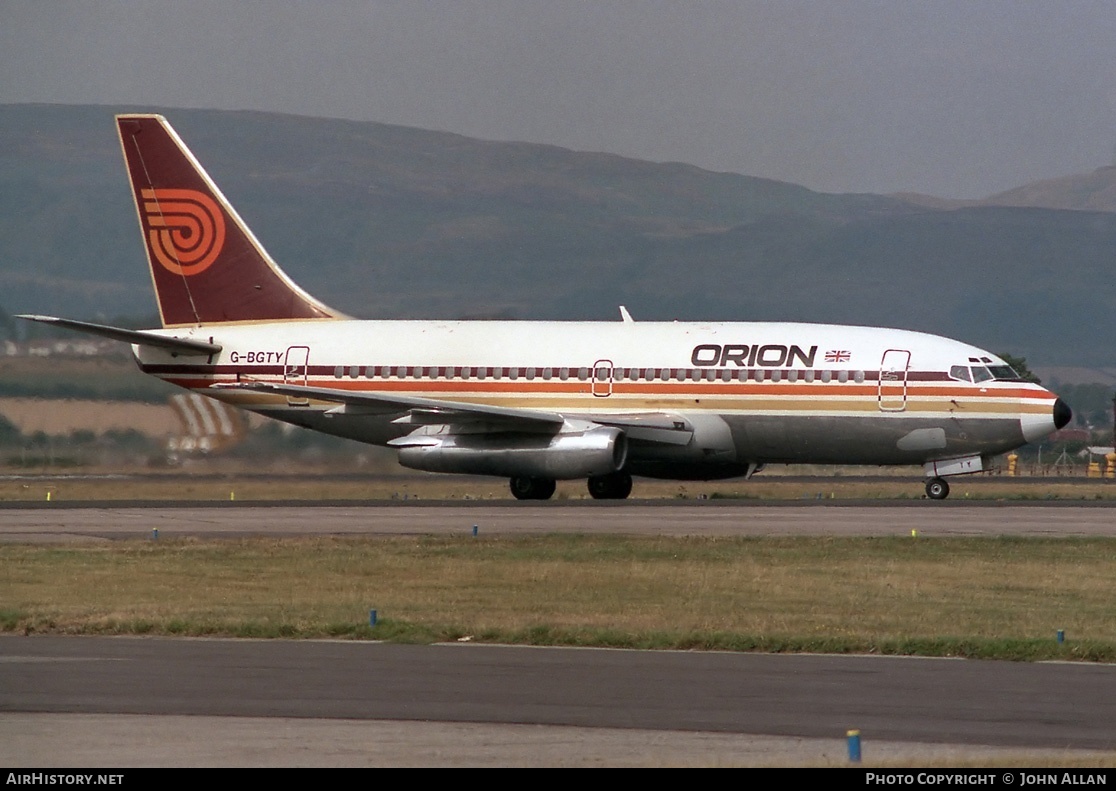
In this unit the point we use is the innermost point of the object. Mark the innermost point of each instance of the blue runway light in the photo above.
(854, 746)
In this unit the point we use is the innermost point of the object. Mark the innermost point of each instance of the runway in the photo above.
(97, 522)
(137, 701)
(85, 701)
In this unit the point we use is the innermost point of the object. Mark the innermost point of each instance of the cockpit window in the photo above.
(1004, 373)
(984, 373)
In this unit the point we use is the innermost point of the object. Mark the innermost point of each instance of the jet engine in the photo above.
(562, 456)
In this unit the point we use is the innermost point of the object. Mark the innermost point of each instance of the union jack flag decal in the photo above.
(836, 356)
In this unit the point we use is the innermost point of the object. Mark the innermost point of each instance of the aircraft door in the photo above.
(602, 378)
(296, 368)
(892, 393)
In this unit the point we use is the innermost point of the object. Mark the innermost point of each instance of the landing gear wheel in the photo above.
(532, 488)
(937, 489)
(616, 486)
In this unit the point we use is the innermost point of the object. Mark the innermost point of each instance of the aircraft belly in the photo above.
(869, 440)
(723, 446)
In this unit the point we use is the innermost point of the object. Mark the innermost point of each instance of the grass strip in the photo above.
(1001, 597)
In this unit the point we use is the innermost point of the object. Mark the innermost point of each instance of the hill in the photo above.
(393, 222)
(1095, 191)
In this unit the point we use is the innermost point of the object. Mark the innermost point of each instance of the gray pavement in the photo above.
(79, 701)
(70, 523)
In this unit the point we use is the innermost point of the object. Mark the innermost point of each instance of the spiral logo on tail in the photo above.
(185, 229)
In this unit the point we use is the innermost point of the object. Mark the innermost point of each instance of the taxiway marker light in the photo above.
(854, 746)
(474, 530)
(155, 533)
(371, 617)
(1061, 636)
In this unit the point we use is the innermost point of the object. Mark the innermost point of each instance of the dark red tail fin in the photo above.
(206, 265)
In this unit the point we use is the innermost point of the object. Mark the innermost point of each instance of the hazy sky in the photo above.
(958, 98)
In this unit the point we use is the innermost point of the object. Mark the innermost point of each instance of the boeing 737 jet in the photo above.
(538, 402)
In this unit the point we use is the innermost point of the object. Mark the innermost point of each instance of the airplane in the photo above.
(542, 401)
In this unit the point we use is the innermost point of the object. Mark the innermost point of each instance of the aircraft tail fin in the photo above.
(206, 265)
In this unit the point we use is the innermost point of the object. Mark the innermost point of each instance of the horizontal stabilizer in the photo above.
(183, 346)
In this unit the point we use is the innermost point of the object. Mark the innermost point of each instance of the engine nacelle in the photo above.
(568, 454)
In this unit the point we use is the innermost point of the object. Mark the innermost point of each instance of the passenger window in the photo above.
(842, 376)
(859, 377)
(827, 376)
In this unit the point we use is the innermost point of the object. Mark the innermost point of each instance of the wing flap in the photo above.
(419, 411)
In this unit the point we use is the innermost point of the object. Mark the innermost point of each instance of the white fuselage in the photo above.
(752, 393)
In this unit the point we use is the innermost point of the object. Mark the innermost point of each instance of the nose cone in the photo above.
(1062, 414)
(1038, 426)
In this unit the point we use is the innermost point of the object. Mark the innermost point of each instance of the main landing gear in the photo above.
(532, 488)
(616, 486)
(937, 489)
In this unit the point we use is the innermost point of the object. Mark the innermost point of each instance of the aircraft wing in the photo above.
(183, 346)
(647, 427)
(419, 411)
(658, 427)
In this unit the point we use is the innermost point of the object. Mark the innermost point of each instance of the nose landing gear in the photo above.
(937, 489)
